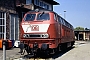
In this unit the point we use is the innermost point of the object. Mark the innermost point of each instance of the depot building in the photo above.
(12, 12)
(82, 34)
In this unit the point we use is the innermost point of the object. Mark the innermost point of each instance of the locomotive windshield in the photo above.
(30, 17)
(43, 16)
(40, 16)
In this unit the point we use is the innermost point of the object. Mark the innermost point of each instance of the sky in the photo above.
(77, 12)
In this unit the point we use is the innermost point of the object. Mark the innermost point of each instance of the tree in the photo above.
(79, 28)
(87, 29)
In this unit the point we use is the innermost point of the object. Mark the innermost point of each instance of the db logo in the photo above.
(34, 28)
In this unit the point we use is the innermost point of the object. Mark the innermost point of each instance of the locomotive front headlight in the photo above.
(24, 35)
(45, 35)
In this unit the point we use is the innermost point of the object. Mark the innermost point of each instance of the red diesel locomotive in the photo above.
(46, 31)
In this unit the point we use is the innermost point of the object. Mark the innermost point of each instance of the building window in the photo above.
(14, 27)
(42, 4)
(28, 2)
(55, 16)
(36, 2)
(2, 25)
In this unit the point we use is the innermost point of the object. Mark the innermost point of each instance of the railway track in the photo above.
(41, 57)
(14, 55)
(27, 57)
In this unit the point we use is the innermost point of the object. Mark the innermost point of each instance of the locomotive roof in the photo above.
(44, 10)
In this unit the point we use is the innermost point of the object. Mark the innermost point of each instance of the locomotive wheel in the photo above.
(72, 43)
(59, 48)
(23, 51)
(53, 51)
(63, 46)
(27, 48)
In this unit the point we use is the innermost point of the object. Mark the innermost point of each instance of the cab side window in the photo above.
(59, 20)
(54, 16)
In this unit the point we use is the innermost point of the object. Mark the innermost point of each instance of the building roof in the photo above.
(81, 30)
(52, 2)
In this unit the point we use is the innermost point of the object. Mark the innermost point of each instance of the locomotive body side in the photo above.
(65, 33)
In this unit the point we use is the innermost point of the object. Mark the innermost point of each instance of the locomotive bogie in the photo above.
(50, 42)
